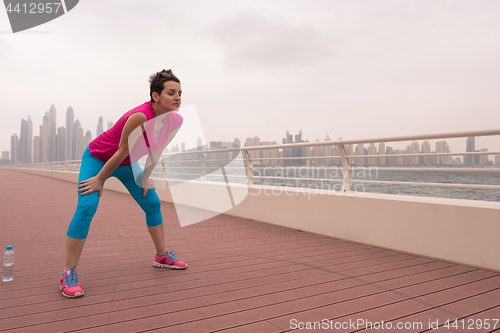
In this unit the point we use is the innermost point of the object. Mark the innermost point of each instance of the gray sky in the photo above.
(357, 69)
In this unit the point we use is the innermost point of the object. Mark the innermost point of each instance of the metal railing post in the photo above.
(203, 167)
(250, 170)
(165, 167)
(346, 169)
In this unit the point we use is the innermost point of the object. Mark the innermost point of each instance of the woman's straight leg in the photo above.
(85, 210)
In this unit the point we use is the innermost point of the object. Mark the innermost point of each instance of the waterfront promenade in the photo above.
(242, 275)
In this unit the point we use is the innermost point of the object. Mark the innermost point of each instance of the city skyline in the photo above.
(58, 144)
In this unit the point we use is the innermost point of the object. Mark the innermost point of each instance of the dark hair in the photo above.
(156, 81)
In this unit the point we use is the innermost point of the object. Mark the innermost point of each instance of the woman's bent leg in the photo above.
(151, 206)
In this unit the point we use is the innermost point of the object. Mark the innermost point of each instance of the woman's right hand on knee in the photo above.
(90, 185)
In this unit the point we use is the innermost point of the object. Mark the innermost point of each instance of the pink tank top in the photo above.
(106, 145)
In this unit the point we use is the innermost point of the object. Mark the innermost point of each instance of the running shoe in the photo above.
(69, 284)
(168, 260)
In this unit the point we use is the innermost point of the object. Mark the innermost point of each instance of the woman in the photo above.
(115, 154)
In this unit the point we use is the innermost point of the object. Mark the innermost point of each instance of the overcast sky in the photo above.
(354, 69)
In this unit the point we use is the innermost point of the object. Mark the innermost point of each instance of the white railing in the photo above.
(172, 162)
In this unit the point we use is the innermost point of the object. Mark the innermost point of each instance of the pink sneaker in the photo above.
(69, 284)
(168, 260)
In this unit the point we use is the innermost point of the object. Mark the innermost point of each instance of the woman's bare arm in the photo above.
(95, 183)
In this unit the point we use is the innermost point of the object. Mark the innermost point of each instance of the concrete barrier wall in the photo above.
(463, 231)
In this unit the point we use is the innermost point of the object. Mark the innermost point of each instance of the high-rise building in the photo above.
(442, 147)
(4, 160)
(88, 139)
(100, 127)
(53, 144)
(471, 147)
(294, 152)
(45, 138)
(253, 142)
(299, 152)
(69, 144)
(318, 151)
(329, 151)
(381, 151)
(399, 160)
(236, 142)
(78, 140)
(426, 149)
(269, 153)
(110, 124)
(390, 160)
(199, 144)
(26, 141)
(37, 149)
(14, 148)
(414, 148)
(61, 144)
(360, 150)
(483, 159)
(372, 150)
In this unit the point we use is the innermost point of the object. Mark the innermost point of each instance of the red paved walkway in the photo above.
(243, 275)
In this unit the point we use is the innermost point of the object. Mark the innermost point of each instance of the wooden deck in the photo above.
(243, 275)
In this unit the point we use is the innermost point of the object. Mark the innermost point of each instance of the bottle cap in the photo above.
(9, 248)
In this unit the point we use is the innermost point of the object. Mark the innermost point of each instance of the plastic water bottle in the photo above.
(8, 265)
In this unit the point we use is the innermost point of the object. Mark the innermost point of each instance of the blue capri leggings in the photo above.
(87, 205)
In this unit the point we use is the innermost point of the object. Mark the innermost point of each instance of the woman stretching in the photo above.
(115, 153)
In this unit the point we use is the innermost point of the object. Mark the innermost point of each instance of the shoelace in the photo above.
(71, 278)
(171, 256)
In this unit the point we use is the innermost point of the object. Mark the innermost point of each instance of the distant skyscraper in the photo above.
(414, 148)
(442, 147)
(26, 141)
(269, 153)
(61, 144)
(360, 150)
(5, 155)
(236, 142)
(78, 140)
(14, 148)
(328, 151)
(53, 119)
(100, 127)
(372, 150)
(199, 144)
(37, 150)
(88, 139)
(110, 124)
(253, 142)
(45, 137)
(52, 134)
(471, 147)
(293, 152)
(483, 159)
(299, 152)
(381, 151)
(70, 116)
(426, 149)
